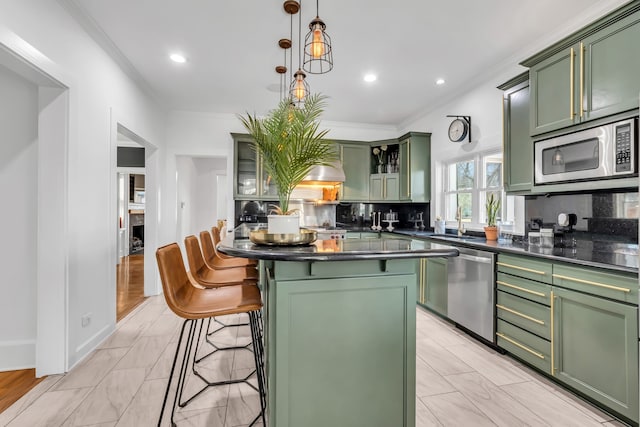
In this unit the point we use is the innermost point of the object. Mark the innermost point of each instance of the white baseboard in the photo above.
(84, 349)
(17, 355)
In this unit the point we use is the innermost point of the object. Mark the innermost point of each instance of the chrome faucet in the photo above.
(459, 219)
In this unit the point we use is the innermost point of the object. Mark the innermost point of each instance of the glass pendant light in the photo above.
(318, 54)
(558, 158)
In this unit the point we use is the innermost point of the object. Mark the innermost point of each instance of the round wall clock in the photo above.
(458, 129)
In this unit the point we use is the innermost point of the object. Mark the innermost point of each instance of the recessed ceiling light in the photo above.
(176, 57)
(370, 78)
(440, 81)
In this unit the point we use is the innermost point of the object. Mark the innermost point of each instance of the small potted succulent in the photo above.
(290, 144)
(493, 207)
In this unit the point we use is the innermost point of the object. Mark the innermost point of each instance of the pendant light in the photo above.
(285, 44)
(558, 158)
(299, 88)
(318, 54)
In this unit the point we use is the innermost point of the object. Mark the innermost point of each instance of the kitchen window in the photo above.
(468, 182)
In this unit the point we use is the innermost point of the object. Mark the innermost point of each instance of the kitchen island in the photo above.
(339, 328)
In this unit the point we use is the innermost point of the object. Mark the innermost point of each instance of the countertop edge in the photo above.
(523, 252)
(272, 254)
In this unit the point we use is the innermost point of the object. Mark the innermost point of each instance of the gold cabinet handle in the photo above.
(540, 294)
(553, 366)
(524, 347)
(581, 79)
(384, 187)
(424, 275)
(572, 55)
(529, 270)
(517, 313)
(589, 282)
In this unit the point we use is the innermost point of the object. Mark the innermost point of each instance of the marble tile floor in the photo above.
(459, 383)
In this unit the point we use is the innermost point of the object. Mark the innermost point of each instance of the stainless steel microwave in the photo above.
(607, 151)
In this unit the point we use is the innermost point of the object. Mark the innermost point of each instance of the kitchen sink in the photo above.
(462, 238)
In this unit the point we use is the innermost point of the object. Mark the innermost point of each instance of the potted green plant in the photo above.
(290, 143)
(493, 207)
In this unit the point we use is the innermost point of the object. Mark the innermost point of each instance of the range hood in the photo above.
(325, 175)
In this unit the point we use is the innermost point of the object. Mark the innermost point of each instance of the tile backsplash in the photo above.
(613, 214)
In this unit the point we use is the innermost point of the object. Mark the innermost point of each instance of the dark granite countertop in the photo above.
(238, 244)
(610, 255)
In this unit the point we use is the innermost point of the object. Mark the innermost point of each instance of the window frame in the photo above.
(478, 192)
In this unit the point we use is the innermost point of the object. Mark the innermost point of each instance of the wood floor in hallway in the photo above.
(459, 383)
(130, 285)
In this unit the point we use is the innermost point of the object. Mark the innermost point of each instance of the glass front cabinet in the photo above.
(250, 181)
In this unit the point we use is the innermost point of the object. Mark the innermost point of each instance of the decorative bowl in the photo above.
(263, 237)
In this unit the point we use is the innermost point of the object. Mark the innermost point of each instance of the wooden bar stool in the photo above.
(194, 305)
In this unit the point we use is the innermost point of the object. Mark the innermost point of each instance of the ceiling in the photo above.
(232, 49)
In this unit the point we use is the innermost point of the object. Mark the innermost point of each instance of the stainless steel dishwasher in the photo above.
(471, 294)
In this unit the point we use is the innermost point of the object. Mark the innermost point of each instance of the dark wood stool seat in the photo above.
(193, 305)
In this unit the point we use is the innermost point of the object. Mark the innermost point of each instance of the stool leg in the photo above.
(215, 346)
(173, 368)
(258, 351)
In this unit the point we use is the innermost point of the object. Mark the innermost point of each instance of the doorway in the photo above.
(131, 200)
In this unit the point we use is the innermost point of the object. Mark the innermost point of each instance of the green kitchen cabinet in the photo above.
(432, 284)
(611, 69)
(553, 95)
(595, 344)
(384, 187)
(415, 167)
(517, 144)
(575, 323)
(589, 75)
(250, 181)
(357, 170)
(341, 335)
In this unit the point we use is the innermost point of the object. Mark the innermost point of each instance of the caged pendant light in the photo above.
(318, 54)
(299, 89)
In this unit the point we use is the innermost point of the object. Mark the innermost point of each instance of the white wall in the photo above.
(484, 104)
(97, 88)
(18, 187)
(197, 193)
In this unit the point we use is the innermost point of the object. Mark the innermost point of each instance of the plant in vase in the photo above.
(290, 143)
(493, 207)
(379, 152)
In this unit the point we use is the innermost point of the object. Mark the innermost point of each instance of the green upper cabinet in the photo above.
(590, 74)
(356, 185)
(612, 69)
(517, 144)
(415, 167)
(250, 180)
(553, 96)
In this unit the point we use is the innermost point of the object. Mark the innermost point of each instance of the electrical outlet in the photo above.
(86, 320)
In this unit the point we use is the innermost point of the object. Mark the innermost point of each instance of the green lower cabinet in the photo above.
(433, 287)
(341, 350)
(596, 349)
(525, 345)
